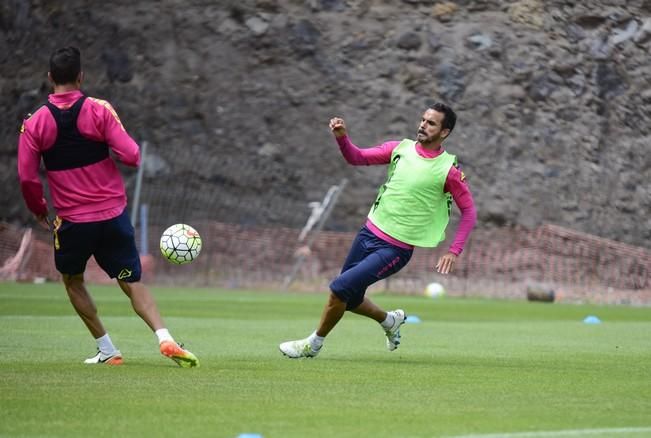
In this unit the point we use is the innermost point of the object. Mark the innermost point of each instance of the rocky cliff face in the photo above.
(234, 97)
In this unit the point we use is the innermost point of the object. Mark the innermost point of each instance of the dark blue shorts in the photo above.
(111, 241)
(370, 259)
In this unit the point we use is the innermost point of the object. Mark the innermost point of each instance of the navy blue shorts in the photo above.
(370, 259)
(111, 241)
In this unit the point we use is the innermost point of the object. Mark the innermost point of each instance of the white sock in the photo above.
(105, 345)
(388, 322)
(316, 341)
(164, 335)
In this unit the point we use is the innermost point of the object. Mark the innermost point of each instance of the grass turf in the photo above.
(470, 367)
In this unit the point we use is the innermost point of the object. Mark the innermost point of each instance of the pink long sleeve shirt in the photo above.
(85, 194)
(455, 184)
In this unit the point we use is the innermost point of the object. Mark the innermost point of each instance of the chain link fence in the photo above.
(502, 263)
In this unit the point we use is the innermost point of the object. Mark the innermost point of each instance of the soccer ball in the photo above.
(180, 244)
(435, 290)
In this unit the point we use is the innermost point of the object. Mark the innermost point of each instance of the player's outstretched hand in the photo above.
(446, 263)
(338, 126)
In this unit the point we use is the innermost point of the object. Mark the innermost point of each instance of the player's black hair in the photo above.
(65, 65)
(450, 118)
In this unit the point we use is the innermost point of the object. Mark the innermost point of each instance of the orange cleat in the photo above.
(178, 354)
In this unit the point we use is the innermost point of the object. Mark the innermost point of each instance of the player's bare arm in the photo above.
(338, 127)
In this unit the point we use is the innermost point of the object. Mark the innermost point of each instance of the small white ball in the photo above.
(435, 290)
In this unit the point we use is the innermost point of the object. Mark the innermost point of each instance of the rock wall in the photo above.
(234, 97)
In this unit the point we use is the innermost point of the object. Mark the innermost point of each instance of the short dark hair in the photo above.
(65, 65)
(450, 118)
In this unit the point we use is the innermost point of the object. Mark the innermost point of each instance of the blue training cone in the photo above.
(412, 319)
(591, 319)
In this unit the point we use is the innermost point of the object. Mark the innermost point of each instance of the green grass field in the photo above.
(473, 368)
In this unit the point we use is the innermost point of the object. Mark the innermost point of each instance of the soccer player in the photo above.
(74, 135)
(411, 209)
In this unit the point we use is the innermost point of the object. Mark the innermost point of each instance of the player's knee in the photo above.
(354, 302)
(338, 291)
(132, 288)
(349, 295)
(72, 280)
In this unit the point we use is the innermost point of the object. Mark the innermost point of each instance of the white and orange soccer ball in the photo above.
(180, 244)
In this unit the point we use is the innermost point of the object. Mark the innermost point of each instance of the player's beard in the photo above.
(424, 140)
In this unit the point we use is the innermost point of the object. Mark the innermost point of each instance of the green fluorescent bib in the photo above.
(411, 206)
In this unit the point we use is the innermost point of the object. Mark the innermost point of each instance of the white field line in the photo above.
(561, 433)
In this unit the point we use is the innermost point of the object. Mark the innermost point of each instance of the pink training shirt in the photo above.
(85, 194)
(454, 184)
